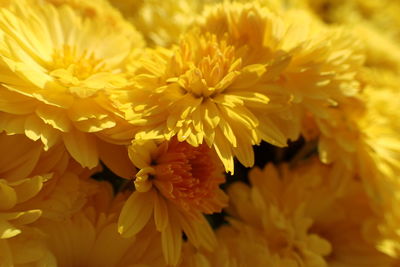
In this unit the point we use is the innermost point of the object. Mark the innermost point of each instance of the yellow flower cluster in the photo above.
(126, 127)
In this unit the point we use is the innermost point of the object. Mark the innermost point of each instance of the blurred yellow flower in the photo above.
(233, 85)
(361, 136)
(26, 249)
(323, 66)
(90, 238)
(24, 172)
(306, 216)
(381, 15)
(177, 184)
(57, 70)
(375, 22)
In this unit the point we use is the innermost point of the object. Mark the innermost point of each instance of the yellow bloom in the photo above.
(272, 213)
(375, 22)
(234, 85)
(90, 238)
(24, 173)
(381, 125)
(339, 136)
(363, 141)
(324, 61)
(26, 249)
(58, 68)
(203, 92)
(381, 15)
(176, 184)
(361, 136)
(306, 216)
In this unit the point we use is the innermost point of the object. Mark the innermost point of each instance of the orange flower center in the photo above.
(189, 177)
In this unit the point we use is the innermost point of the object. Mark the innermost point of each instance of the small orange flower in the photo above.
(177, 183)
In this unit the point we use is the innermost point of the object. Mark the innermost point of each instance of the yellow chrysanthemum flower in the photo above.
(272, 213)
(58, 67)
(338, 134)
(62, 196)
(26, 249)
(379, 163)
(361, 136)
(176, 184)
(375, 22)
(381, 15)
(89, 237)
(203, 92)
(234, 85)
(306, 216)
(381, 125)
(324, 61)
(25, 172)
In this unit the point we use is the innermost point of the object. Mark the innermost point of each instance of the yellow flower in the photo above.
(375, 22)
(177, 184)
(381, 15)
(26, 249)
(202, 91)
(62, 196)
(58, 68)
(339, 137)
(89, 237)
(305, 216)
(324, 61)
(24, 173)
(361, 136)
(271, 213)
(258, 35)
(362, 140)
(233, 85)
(381, 125)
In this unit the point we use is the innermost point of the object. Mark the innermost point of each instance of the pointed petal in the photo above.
(160, 213)
(171, 239)
(136, 213)
(115, 157)
(82, 147)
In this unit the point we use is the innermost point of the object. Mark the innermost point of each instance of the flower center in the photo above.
(188, 176)
(73, 69)
(210, 68)
(80, 65)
